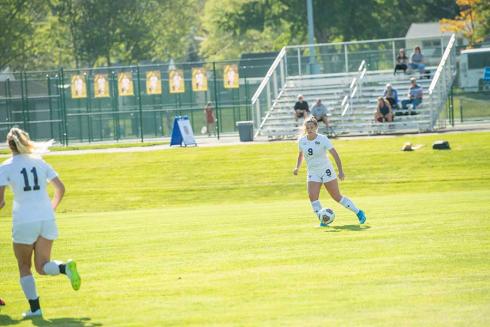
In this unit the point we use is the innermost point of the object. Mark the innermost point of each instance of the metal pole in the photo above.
(22, 100)
(8, 95)
(461, 109)
(88, 108)
(63, 105)
(114, 99)
(50, 106)
(216, 100)
(346, 58)
(394, 53)
(299, 62)
(140, 106)
(451, 105)
(314, 69)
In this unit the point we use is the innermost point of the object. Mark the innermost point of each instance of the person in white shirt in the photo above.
(313, 148)
(34, 227)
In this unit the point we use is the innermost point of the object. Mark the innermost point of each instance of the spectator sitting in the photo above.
(383, 111)
(391, 95)
(417, 60)
(401, 62)
(415, 95)
(301, 108)
(319, 111)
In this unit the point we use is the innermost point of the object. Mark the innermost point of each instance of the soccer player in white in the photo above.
(313, 147)
(34, 227)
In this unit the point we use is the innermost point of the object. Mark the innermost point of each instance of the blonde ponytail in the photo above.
(20, 143)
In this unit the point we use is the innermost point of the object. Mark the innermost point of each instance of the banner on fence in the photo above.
(153, 82)
(78, 87)
(101, 86)
(199, 79)
(125, 84)
(230, 77)
(176, 81)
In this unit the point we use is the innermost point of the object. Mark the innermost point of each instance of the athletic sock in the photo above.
(317, 206)
(34, 304)
(346, 202)
(29, 287)
(54, 268)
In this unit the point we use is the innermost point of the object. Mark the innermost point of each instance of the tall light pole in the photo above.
(314, 68)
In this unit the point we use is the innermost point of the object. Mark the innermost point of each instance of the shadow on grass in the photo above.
(39, 321)
(357, 228)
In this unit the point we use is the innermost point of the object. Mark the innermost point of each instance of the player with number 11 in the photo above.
(34, 226)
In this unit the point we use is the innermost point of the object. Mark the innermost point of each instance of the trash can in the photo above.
(245, 130)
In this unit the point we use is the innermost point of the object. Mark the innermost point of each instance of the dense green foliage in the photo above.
(225, 236)
(51, 33)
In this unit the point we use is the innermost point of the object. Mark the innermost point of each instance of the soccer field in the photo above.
(225, 236)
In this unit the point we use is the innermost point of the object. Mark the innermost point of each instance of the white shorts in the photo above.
(28, 233)
(322, 176)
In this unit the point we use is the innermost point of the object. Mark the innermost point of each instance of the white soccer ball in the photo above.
(326, 216)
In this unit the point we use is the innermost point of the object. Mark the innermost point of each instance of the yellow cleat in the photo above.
(73, 275)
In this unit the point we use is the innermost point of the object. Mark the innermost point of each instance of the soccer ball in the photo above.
(326, 216)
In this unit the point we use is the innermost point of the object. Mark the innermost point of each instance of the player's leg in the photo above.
(2, 303)
(23, 254)
(314, 193)
(42, 257)
(334, 191)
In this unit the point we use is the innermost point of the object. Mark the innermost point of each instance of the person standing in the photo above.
(210, 119)
(34, 226)
(313, 148)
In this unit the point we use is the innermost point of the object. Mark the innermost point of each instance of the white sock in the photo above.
(52, 268)
(316, 205)
(346, 202)
(29, 287)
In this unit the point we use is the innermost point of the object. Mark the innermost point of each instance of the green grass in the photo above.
(96, 146)
(225, 236)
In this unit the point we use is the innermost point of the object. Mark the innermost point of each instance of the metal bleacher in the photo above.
(357, 120)
(350, 98)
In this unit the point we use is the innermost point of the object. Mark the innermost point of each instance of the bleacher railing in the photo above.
(341, 58)
(355, 89)
(441, 84)
(269, 88)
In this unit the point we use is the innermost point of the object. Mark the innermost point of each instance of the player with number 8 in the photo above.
(34, 227)
(313, 148)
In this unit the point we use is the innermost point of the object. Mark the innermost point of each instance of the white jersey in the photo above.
(28, 176)
(315, 152)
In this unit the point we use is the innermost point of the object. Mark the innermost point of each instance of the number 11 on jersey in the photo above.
(27, 186)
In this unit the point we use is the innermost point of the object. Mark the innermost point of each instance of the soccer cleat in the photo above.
(30, 314)
(73, 275)
(361, 216)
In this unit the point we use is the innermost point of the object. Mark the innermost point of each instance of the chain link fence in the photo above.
(127, 102)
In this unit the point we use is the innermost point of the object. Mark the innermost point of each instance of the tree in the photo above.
(465, 22)
(18, 19)
(234, 26)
